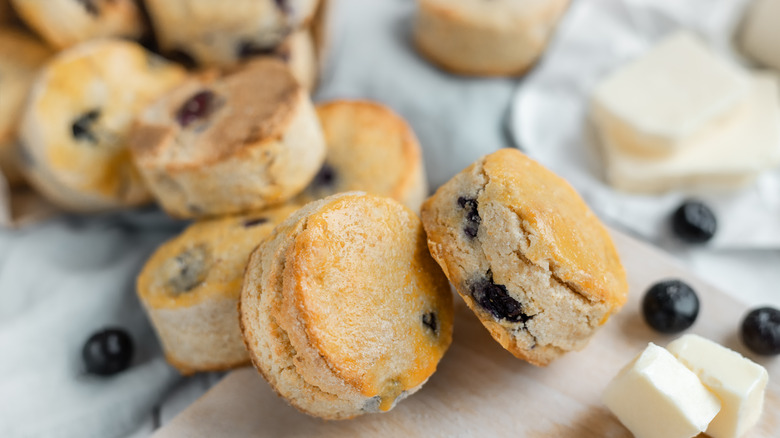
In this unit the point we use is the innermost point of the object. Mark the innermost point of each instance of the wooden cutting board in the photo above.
(482, 390)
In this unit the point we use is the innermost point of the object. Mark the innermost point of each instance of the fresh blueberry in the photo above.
(472, 216)
(694, 222)
(495, 299)
(761, 331)
(82, 126)
(196, 107)
(108, 352)
(670, 306)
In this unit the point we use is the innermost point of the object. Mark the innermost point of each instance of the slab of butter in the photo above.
(738, 382)
(760, 37)
(655, 396)
(677, 89)
(726, 155)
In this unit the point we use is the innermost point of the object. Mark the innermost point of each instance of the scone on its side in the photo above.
(475, 37)
(75, 125)
(236, 143)
(369, 148)
(190, 288)
(21, 55)
(342, 309)
(526, 254)
(64, 23)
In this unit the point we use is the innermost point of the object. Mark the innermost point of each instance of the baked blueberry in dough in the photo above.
(74, 129)
(526, 254)
(343, 310)
(64, 23)
(229, 144)
(485, 37)
(212, 33)
(190, 287)
(21, 55)
(369, 148)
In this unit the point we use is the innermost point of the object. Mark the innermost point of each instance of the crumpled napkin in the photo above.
(549, 114)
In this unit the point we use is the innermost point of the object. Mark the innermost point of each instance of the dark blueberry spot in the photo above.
(495, 299)
(761, 331)
(670, 306)
(82, 127)
(694, 222)
(253, 222)
(429, 321)
(90, 7)
(248, 49)
(472, 216)
(188, 269)
(108, 352)
(182, 57)
(326, 177)
(195, 108)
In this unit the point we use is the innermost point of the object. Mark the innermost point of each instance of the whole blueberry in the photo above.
(761, 330)
(694, 222)
(108, 352)
(670, 306)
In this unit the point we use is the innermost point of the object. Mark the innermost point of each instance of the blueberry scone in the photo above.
(190, 288)
(74, 131)
(478, 37)
(221, 145)
(526, 254)
(21, 55)
(370, 148)
(343, 310)
(63, 23)
(212, 34)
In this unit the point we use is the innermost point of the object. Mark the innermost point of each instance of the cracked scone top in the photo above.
(64, 23)
(343, 310)
(229, 144)
(190, 287)
(75, 125)
(526, 254)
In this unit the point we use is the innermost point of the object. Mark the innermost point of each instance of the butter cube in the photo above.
(738, 382)
(655, 396)
(725, 155)
(651, 106)
(760, 36)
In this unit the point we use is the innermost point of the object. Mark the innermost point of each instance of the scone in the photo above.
(485, 38)
(74, 129)
(299, 53)
(343, 310)
(190, 288)
(21, 55)
(222, 145)
(526, 254)
(7, 14)
(370, 148)
(213, 33)
(63, 23)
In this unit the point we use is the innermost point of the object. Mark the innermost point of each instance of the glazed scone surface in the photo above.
(477, 37)
(21, 55)
(191, 285)
(63, 23)
(75, 125)
(222, 145)
(526, 254)
(369, 148)
(343, 310)
(213, 34)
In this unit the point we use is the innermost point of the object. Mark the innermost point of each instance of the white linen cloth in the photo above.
(62, 280)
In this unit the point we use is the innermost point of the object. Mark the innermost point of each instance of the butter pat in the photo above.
(654, 104)
(738, 382)
(726, 154)
(760, 36)
(655, 396)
